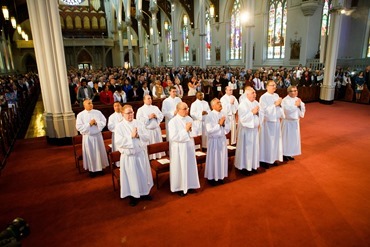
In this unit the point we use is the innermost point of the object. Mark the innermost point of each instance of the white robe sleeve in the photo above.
(177, 131)
(246, 117)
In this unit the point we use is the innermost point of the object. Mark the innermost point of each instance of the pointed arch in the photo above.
(69, 22)
(277, 19)
(78, 24)
(86, 22)
(235, 32)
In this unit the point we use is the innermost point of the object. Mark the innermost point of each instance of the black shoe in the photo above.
(211, 182)
(146, 197)
(92, 174)
(291, 158)
(245, 172)
(181, 193)
(101, 173)
(286, 158)
(221, 181)
(264, 165)
(275, 164)
(254, 171)
(192, 191)
(133, 201)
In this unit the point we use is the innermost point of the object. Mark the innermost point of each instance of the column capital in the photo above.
(128, 21)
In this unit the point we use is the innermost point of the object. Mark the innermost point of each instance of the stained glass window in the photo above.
(208, 37)
(236, 32)
(185, 38)
(325, 21)
(368, 48)
(276, 29)
(169, 44)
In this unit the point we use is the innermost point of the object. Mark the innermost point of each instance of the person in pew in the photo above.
(169, 107)
(151, 117)
(271, 146)
(198, 111)
(113, 120)
(217, 126)
(247, 148)
(294, 109)
(183, 166)
(84, 92)
(90, 123)
(230, 107)
(136, 178)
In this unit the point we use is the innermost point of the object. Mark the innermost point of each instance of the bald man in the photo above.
(230, 107)
(90, 123)
(183, 167)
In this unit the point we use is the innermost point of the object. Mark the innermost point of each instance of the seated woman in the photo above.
(119, 95)
(106, 96)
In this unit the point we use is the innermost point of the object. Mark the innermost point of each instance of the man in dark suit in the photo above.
(84, 92)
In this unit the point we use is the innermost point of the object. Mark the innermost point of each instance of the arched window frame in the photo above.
(235, 32)
(276, 31)
(185, 38)
(208, 36)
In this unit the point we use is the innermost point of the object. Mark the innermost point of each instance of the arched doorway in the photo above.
(84, 60)
(30, 63)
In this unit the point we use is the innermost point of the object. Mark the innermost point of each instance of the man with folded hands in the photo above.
(131, 137)
(183, 166)
(217, 126)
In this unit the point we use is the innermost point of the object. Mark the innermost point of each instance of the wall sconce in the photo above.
(166, 25)
(19, 29)
(185, 20)
(26, 37)
(131, 37)
(5, 13)
(212, 11)
(151, 31)
(13, 21)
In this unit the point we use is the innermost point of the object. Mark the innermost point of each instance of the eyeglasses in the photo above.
(293, 91)
(128, 113)
(187, 108)
(272, 85)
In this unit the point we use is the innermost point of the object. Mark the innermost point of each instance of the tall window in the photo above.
(236, 32)
(325, 21)
(208, 37)
(185, 37)
(368, 48)
(276, 29)
(169, 44)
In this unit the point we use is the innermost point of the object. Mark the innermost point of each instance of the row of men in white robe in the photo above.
(247, 154)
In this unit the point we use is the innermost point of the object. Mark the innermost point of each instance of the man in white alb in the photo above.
(198, 111)
(247, 149)
(151, 117)
(230, 107)
(113, 120)
(90, 123)
(294, 110)
(135, 174)
(169, 107)
(271, 146)
(183, 166)
(217, 126)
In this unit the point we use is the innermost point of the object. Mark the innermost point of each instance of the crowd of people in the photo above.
(15, 88)
(265, 133)
(127, 85)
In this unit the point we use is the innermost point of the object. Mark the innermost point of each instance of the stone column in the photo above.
(328, 88)
(249, 25)
(49, 50)
(139, 18)
(202, 34)
(175, 35)
(129, 41)
(154, 10)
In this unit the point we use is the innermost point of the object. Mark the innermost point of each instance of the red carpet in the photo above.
(320, 199)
